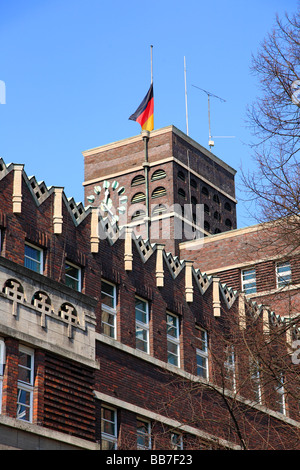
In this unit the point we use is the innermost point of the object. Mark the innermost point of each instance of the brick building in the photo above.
(110, 340)
(181, 175)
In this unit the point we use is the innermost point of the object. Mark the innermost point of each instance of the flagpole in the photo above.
(151, 53)
(186, 106)
(146, 136)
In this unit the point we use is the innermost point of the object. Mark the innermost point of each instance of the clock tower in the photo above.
(164, 184)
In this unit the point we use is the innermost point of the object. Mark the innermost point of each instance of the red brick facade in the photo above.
(81, 372)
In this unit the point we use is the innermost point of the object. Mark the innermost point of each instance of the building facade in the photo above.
(110, 340)
(176, 176)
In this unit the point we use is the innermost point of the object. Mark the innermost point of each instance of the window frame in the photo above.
(137, 180)
(255, 377)
(203, 353)
(67, 276)
(141, 325)
(174, 340)
(158, 174)
(147, 434)
(246, 282)
(176, 445)
(281, 394)
(112, 311)
(39, 263)
(159, 191)
(24, 386)
(230, 368)
(280, 282)
(110, 438)
(2, 363)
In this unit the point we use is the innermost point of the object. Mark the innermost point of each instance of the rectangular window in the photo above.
(2, 361)
(25, 384)
(283, 274)
(280, 398)
(202, 355)
(229, 365)
(109, 313)
(143, 435)
(142, 324)
(109, 433)
(173, 339)
(33, 258)
(249, 281)
(73, 276)
(176, 441)
(255, 380)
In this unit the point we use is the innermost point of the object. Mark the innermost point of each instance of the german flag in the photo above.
(144, 114)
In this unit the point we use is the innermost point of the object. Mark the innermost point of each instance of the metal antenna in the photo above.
(210, 141)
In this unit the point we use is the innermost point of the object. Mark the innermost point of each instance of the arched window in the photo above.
(138, 197)
(158, 192)
(158, 175)
(159, 209)
(217, 230)
(227, 206)
(181, 175)
(138, 215)
(181, 192)
(193, 183)
(205, 191)
(193, 200)
(217, 216)
(206, 226)
(138, 179)
(206, 209)
(216, 199)
(228, 223)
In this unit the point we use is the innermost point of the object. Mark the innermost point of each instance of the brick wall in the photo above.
(65, 400)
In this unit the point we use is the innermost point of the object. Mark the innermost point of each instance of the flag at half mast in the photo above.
(144, 114)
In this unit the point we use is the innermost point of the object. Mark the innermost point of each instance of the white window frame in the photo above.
(174, 340)
(280, 390)
(256, 380)
(280, 280)
(246, 282)
(2, 362)
(203, 354)
(141, 326)
(229, 365)
(111, 438)
(178, 444)
(111, 311)
(40, 263)
(78, 280)
(26, 387)
(145, 435)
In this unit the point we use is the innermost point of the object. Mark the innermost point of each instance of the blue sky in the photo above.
(75, 71)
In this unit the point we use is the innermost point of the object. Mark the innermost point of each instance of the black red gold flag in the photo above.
(144, 114)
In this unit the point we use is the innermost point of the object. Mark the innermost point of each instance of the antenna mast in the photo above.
(210, 141)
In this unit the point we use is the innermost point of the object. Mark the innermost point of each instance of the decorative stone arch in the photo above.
(68, 314)
(14, 289)
(15, 292)
(42, 301)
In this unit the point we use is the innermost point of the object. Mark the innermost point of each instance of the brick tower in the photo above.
(165, 178)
